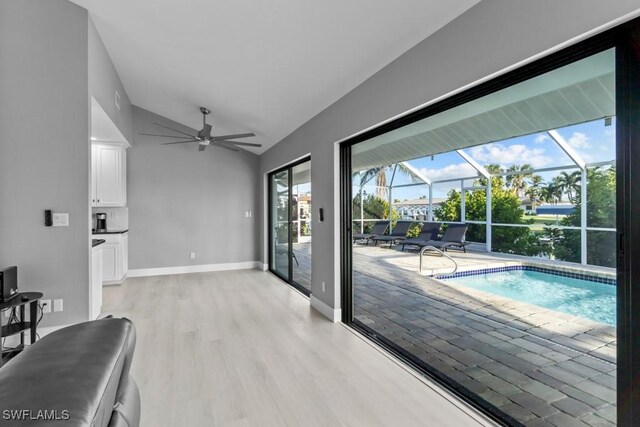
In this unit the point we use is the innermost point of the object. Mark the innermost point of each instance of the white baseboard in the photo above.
(203, 268)
(333, 314)
(264, 267)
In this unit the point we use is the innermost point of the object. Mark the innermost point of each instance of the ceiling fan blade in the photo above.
(179, 142)
(233, 136)
(162, 136)
(229, 147)
(201, 147)
(248, 144)
(175, 130)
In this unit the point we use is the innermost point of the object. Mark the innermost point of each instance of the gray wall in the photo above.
(44, 150)
(181, 200)
(489, 37)
(104, 81)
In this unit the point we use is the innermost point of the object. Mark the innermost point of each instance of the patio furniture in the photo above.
(429, 232)
(398, 233)
(379, 228)
(453, 237)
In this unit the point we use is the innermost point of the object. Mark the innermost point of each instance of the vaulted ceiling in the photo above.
(261, 66)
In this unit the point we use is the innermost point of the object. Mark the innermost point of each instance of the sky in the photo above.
(593, 141)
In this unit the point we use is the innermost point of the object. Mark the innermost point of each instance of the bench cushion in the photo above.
(75, 369)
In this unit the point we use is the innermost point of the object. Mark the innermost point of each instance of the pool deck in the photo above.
(540, 366)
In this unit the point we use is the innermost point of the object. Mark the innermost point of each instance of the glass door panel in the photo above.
(301, 224)
(280, 223)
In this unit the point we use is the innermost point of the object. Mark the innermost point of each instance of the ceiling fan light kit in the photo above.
(204, 137)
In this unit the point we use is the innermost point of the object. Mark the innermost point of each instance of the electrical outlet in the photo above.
(57, 305)
(46, 305)
(324, 287)
(193, 255)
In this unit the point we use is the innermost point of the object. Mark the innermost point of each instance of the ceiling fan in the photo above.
(204, 137)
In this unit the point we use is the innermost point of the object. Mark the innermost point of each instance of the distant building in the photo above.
(527, 205)
(303, 210)
(555, 209)
(416, 208)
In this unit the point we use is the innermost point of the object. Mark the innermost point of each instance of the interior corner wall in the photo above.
(489, 38)
(104, 81)
(182, 200)
(44, 150)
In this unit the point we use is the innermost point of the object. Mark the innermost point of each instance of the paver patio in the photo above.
(540, 366)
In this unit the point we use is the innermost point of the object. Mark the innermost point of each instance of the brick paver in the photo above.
(537, 365)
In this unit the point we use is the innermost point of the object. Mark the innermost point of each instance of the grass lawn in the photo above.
(541, 221)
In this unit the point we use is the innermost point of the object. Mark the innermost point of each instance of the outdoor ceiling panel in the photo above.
(576, 93)
(577, 103)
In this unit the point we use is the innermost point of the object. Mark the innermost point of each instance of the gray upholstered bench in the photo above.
(75, 376)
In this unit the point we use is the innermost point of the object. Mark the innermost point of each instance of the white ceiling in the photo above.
(261, 66)
(102, 127)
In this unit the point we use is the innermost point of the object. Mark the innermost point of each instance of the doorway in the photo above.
(290, 224)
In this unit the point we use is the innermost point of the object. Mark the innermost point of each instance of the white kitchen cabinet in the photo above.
(115, 254)
(125, 253)
(108, 175)
(96, 281)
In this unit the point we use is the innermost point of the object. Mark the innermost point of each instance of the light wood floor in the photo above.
(241, 348)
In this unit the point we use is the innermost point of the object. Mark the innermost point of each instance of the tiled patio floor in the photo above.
(301, 263)
(540, 366)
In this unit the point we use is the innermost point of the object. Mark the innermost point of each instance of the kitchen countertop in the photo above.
(96, 242)
(111, 231)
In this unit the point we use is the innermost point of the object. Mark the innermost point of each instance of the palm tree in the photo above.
(380, 173)
(493, 169)
(549, 193)
(517, 181)
(569, 183)
(534, 190)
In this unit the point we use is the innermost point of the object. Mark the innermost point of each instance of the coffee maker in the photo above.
(101, 222)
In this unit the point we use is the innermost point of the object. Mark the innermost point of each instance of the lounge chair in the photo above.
(379, 228)
(453, 237)
(398, 233)
(429, 232)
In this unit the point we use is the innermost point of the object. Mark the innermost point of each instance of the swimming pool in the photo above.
(577, 296)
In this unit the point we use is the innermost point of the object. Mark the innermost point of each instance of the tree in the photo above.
(517, 179)
(569, 183)
(373, 207)
(601, 212)
(505, 209)
(380, 174)
(550, 192)
(535, 189)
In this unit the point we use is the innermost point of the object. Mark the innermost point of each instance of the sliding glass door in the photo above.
(290, 224)
(528, 312)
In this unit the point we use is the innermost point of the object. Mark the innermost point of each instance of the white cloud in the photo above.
(541, 137)
(509, 155)
(460, 170)
(579, 140)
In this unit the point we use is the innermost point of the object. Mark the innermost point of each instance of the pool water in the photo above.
(583, 298)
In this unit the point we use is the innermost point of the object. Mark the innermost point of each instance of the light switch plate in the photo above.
(60, 219)
(57, 305)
